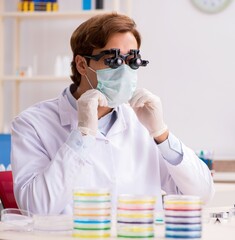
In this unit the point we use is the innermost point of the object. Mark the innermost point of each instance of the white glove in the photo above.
(148, 109)
(87, 106)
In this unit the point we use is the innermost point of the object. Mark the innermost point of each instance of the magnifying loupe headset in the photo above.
(133, 58)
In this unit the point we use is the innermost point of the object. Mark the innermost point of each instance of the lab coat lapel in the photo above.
(119, 125)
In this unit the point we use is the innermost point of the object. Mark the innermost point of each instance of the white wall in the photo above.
(192, 67)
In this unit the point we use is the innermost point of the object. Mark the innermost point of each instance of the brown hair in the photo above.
(95, 32)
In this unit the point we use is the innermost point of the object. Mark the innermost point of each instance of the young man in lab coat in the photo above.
(101, 132)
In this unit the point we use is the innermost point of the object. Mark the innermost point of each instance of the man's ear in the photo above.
(80, 64)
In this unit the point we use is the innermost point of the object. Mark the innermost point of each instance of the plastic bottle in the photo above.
(66, 65)
(58, 66)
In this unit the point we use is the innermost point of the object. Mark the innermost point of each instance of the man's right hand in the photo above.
(87, 106)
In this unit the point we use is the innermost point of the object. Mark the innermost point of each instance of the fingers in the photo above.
(94, 95)
(88, 111)
(141, 97)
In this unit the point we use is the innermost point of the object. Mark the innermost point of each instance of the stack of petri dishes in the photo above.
(183, 216)
(92, 213)
(135, 216)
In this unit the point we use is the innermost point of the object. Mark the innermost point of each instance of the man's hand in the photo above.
(148, 109)
(87, 106)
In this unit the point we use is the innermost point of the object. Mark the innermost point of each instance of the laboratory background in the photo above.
(191, 55)
(191, 67)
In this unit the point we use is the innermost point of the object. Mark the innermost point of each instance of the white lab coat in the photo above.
(50, 159)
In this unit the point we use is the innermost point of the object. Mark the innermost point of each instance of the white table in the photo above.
(224, 195)
(224, 231)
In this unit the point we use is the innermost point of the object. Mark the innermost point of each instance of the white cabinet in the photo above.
(18, 20)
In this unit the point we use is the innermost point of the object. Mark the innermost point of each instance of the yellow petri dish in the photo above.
(91, 192)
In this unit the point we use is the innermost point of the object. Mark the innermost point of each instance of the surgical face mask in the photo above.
(118, 85)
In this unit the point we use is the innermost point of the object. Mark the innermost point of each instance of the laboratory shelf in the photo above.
(9, 14)
(56, 15)
(35, 78)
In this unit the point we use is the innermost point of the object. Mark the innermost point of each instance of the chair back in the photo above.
(6, 190)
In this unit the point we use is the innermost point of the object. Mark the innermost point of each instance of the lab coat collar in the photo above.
(120, 124)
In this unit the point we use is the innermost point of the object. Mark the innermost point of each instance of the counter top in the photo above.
(210, 231)
(224, 195)
(224, 177)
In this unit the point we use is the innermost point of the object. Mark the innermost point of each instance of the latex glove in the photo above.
(87, 106)
(148, 109)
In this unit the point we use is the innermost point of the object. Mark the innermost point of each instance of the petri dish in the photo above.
(91, 233)
(182, 199)
(15, 219)
(52, 223)
(182, 202)
(93, 192)
(136, 199)
(171, 213)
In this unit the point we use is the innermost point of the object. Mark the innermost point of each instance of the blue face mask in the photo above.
(118, 85)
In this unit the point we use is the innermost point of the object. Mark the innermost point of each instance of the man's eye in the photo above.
(129, 57)
(107, 57)
(132, 56)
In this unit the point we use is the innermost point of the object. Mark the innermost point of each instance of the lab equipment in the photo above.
(207, 157)
(135, 216)
(115, 59)
(52, 223)
(92, 213)
(16, 219)
(219, 217)
(182, 216)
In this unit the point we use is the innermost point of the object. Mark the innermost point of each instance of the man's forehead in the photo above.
(113, 51)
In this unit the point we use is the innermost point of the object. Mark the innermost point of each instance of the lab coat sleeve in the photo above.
(43, 184)
(191, 176)
(171, 149)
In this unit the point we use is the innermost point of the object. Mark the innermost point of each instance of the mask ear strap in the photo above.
(85, 62)
(88, 81)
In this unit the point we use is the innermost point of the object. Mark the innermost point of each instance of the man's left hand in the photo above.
(148, 109)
